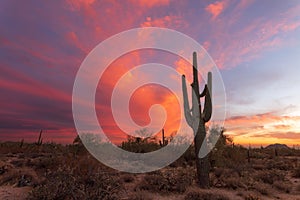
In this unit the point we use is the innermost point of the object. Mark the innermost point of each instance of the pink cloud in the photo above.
(164, 22)
(152, 3)
(233, 48)
(215, 9)
(72, 38)
(27, 85)
(78, 4)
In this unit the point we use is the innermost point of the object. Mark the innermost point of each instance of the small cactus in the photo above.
(164, 141)
(21, 143)
(40, 140)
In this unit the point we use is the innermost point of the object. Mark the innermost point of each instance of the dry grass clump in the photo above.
(19, 178)
(262, 188)
(229, 157)
(252, 197)
(280, 164)
(164, 182)
(234, 183)
(282, 186)
(65, 185)
(269, 176)
(44, 162)
(227, 178)
(127, 178)
(141, 195)
(204, 196)
(296, 172)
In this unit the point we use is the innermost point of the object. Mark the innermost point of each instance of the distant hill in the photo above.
(277, 146)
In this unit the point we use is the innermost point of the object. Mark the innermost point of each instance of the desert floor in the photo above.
(59, 172)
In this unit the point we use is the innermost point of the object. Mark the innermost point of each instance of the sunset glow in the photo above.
(255, 44)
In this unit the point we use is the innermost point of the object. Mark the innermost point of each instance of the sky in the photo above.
(255, 45)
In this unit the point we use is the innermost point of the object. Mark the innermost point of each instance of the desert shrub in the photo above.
(229, 157)
(262, 188)
(269, 176)
(227, 178)
(186, 159)
(279, 164)
(282, 186)
(17, 163)
(258, 166)
(251, 197)
(65, 185)
(168, 181)
(258, 154)
(204, 196)
(20, 178)
(10, 147)
(10, 177)
(140, 146)
(143, 144)
(225, 153)
(233, 183)
(127, 178)
(141, 195)
(219, 171)
(296, 172)
(45, 162)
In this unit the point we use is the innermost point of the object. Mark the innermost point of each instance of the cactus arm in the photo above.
(209, 83)
(203, 92)
(187, 113)
(207, 111)
(195, 84)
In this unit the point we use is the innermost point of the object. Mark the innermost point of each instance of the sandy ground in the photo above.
(11, 192)
(14, 193)
(20, 193)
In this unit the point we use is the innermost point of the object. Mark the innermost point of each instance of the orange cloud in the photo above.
(148, 95)
(184, 67)
(164, 22)
(264, 129)
(152, 3)
(140, 102)
(215, 8)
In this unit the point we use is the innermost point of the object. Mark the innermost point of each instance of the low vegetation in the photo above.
(55, 171)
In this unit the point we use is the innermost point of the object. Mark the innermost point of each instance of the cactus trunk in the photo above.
(197, 119)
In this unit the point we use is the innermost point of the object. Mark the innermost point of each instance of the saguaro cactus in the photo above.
(196, 119)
